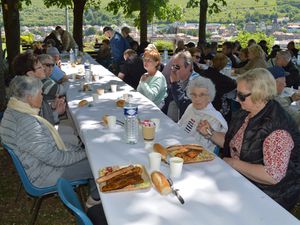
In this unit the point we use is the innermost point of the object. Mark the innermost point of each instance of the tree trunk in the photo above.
(78, 22)
(143, 20)
(202, 21)
(12, 29)
(12, 34)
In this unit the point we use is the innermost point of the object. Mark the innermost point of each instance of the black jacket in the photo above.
(269, 119)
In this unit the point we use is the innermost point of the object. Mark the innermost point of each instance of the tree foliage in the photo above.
(244, 36)
(213, 7)
(161, 9)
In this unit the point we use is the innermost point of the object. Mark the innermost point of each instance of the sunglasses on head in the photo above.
(175, 67)
(242, 97)
(49, 64)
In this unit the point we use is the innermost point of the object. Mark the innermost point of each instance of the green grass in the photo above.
(52, 211)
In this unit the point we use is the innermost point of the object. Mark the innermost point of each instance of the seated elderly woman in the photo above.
(256, 57)
(202, 91)
(262, 141)
(153, 83)
(37, 143)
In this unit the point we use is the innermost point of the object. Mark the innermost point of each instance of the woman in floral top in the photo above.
(262, 141)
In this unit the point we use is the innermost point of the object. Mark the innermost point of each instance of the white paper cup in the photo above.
(95, 98)
(100, 91)
(154, 159)
(157, 122)
(113, 88)
(111, 121)
(176, 164)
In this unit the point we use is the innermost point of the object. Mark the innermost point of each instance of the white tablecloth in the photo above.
(214, 193)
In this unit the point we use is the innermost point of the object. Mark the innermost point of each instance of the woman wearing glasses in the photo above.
(262, 141)
(153, 84)
(202, 91)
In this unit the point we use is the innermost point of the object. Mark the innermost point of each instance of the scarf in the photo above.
(26, 108)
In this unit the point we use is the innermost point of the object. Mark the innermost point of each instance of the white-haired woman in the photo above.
(262, 141)
(36, 142)
(202, 92)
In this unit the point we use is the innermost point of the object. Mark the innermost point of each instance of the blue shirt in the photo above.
(57, 74)
(118, 45)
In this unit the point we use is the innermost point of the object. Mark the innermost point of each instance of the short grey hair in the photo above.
(43, 57)
(186, 56)
(22, 87)
(202, 82)
(285, 54)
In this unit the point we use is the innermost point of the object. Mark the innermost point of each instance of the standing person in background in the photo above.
(104, 54)
(118, 45)
(67, 39)
(56, 43)
(284, 59)
(125, 32)
(293, 50)
(153, 84)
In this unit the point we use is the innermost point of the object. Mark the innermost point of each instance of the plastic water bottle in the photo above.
(165, 56)
(228, 68)
(87, 71)
(72, 56)
(76, 52)
(131, 124)
(298, 59)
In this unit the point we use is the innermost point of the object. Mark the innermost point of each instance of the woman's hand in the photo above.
(144, 77)
(173, 76)
(204, 127)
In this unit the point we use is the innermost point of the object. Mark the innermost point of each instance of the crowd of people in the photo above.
(260, 138)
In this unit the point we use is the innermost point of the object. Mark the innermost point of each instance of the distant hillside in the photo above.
(237, 11)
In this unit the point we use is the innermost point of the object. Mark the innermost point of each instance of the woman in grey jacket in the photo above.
(36, 142)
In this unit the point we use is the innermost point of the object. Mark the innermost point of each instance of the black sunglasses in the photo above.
(242, 97)
(175, 67)
(197, 56)
(49, 64)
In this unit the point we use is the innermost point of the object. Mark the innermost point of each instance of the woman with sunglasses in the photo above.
(262, 141)
(153, 84)
(202, 91)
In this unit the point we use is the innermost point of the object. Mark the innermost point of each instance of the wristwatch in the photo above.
(210, 132)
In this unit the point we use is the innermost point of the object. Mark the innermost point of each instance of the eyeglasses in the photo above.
(175, 67)
(147, 60)
(201, 95)
(197, 56)
(39, 67)
(242, 97)
(49, 64)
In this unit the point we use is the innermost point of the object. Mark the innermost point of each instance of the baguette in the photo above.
(160, 149)
(83, 103)
(161, 183)
(114, 173)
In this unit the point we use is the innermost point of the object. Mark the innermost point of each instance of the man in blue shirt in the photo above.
(118, 45)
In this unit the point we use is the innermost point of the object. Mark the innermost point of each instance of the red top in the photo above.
(277, 149)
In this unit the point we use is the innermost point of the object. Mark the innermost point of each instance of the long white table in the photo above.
(214, 193)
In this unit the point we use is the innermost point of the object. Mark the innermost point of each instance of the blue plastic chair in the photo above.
(69, 198)
(32, 190)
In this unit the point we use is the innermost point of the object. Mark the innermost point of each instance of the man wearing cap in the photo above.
(57, 74)
(279, 75)
(118, 45)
